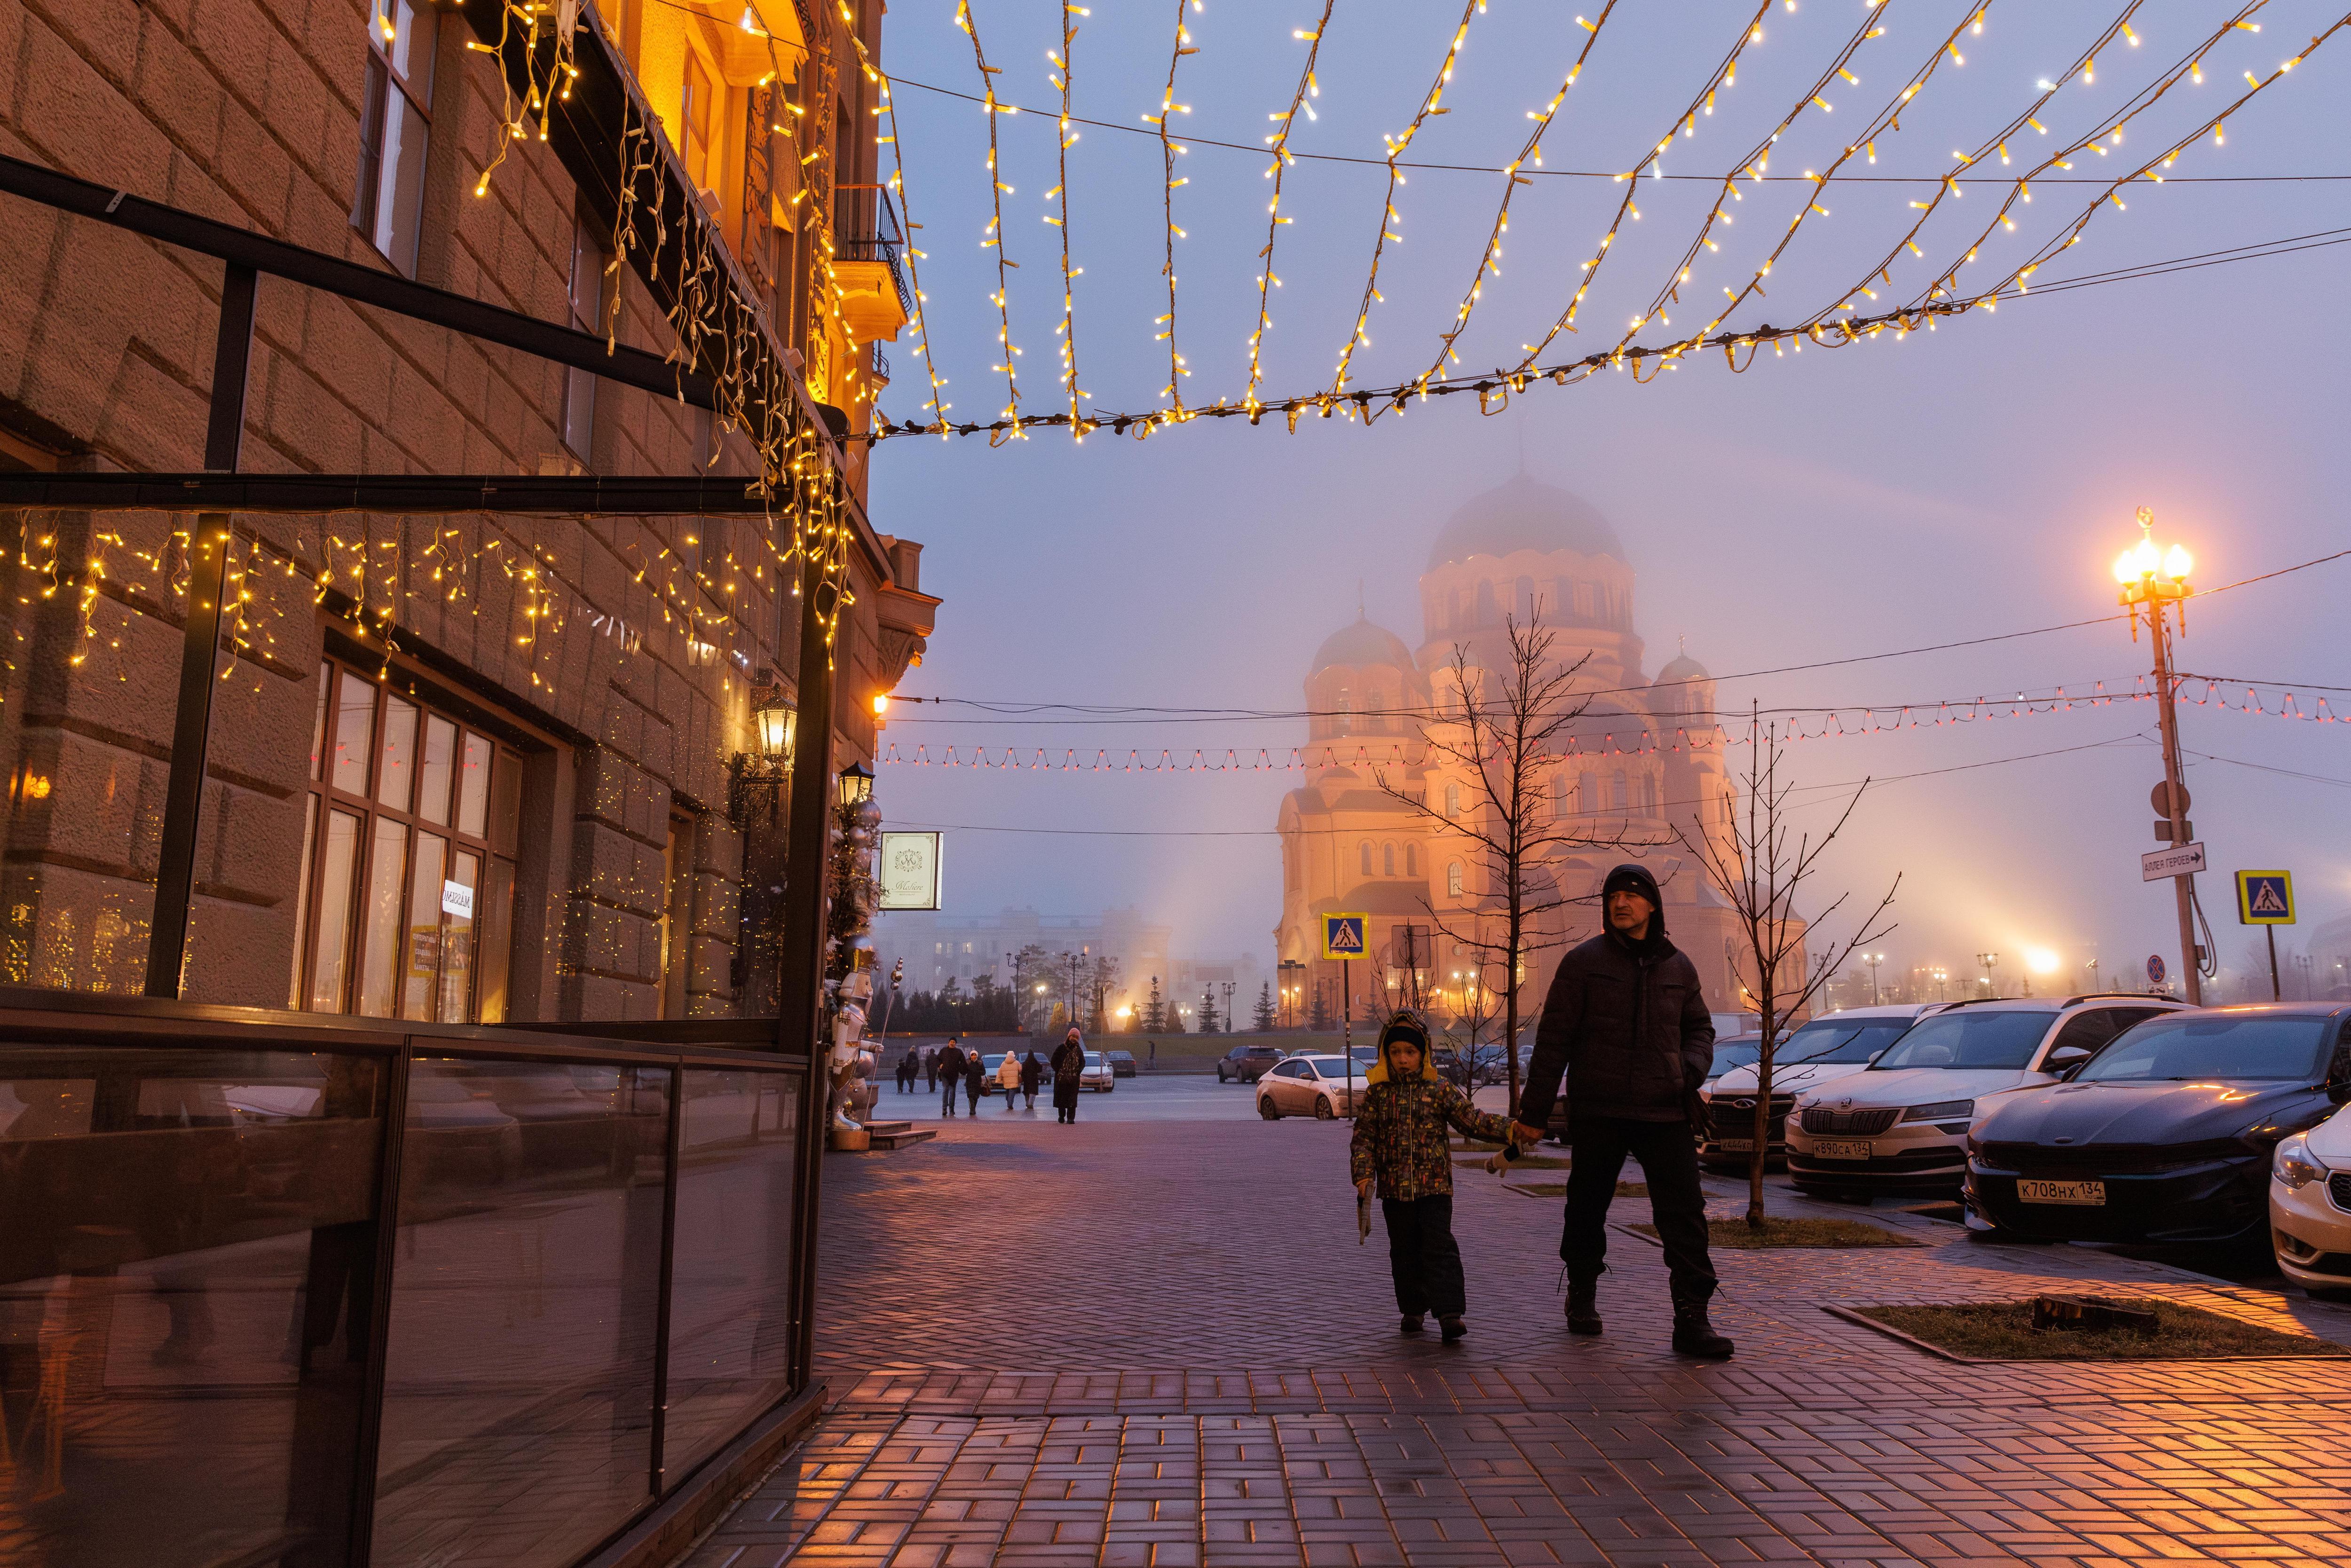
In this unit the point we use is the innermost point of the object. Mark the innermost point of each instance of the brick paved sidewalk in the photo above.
(1160, 1343)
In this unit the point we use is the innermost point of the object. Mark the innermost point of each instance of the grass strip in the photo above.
(2004, 1331)
(1737, 1235)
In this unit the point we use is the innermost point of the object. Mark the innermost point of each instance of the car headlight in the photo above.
(2293, 1165)
(1941, 1111)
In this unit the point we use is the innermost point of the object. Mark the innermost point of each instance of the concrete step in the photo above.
(887, 1127)
(905, 1135)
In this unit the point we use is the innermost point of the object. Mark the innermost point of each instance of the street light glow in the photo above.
(2041, 960)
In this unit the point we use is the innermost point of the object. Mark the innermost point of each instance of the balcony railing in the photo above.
(283, 1288)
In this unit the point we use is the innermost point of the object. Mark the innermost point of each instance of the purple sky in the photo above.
(1882, 497)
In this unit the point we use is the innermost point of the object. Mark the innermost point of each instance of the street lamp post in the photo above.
(2151, 578)
(1228, 986)
(1988, 962)
(1873, 960)
(1942, 976)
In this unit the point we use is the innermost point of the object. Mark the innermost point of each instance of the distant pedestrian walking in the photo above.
(1007, 1078)
(1627, 1023)
(930, 1068)
(1032, 1074)
(1068, 1067)
(1400, 1147)
(946, 1072)
(975, 1081)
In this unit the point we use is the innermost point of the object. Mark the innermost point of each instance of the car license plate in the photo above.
(1841, 1149)
(2092, 1193)
(1735, 1145)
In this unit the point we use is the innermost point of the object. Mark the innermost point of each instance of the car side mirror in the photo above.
(2339, 1075)
(1881, 1051)
(2063, 1060)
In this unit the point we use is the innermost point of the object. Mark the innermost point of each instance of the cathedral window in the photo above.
(1524, 596)
(1587, 789)
(1346, 713)
(1387, 859)
(1617, 792)
(1559, 805)
(1367, 851)
(1412, 860)
(1485, 604)
(1453, 799)
(1453, 879)
(1649, 792)
(1584, 601)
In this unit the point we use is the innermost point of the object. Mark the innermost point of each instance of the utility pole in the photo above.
(2149, 577)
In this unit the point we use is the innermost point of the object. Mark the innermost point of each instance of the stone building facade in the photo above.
(1630, 778)
(467, 768)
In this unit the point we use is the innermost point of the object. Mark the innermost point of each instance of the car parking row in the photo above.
(2107, 1118)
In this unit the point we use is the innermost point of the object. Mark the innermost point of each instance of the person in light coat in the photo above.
(1007, 1078)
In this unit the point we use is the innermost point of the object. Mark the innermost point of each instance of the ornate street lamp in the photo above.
(2152, 579)
(772, 719)
(856, 784)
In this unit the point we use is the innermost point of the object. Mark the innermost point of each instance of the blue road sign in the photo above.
(2155, 970)
(2264, 898)
(1343, 936)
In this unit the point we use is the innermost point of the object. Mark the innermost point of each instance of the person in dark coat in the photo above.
(975, 1081)
(947, 1071)
(1032, 1074)
(930, 1068)
(1068, 1067)
(1628, 1024)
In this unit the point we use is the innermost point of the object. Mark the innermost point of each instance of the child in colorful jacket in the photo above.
(1400, 1146)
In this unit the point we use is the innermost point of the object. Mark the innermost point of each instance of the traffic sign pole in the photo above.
(2176, 804)
(2271, 932)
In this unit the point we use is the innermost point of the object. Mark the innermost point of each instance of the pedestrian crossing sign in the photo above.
(1343, 936)
(2264, 898)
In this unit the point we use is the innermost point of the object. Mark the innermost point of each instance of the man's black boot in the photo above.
(1583, 1306)
(1451, 1328)
(1694, 1335)
(1411, 1322)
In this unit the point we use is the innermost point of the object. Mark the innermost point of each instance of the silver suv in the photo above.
(1901, 1125)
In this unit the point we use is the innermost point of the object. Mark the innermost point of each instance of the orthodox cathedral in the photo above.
(1616, 792)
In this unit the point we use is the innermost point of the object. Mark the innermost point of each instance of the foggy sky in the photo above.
(1975, 481)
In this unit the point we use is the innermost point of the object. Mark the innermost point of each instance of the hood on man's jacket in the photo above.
(1404, 1027)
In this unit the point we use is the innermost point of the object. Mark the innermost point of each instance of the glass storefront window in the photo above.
(393, 907)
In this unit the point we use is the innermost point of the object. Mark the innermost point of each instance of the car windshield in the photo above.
(1840, 1040)
(1333, 1066)
(2177, 1049)
(1744, 1054)
(1970, 1039)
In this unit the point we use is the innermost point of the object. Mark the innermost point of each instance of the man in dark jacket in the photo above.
(949, 1068)
(1626, 1021)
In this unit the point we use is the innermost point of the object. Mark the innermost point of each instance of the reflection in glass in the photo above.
(302, 887)
(474, 787)
(506, 803)
(335, 891)
(354, 721)
(424, 930)
(319, 720)
(397, 772)
(519, 1380)
(380, 932)
(494, 946)
(457, 896)
(731, 1283)
(440, 759)
(187, 1246)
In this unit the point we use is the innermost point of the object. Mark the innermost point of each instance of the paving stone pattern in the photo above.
(1160, 1343)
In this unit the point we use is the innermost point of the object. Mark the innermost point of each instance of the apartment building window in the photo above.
(589, 258)
(395, 116)
(405, 908)
(696, 111)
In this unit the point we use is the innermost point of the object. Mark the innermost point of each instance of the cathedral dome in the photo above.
(1363, 643)
(1682, 668)
(1525, 512)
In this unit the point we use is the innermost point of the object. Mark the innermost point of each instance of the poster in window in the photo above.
(910, 870)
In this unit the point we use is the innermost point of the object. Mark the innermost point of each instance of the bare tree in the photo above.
(1506, 730)
(1761, 873)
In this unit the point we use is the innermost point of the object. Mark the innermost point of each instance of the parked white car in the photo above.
(1318, 1086)
(1900, 1125)
(1099, 1073)
(1816, 1054)
(2310, 1206)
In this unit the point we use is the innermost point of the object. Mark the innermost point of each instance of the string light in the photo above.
(1431, 104)
(1063, 137)
(994, 234)
(1276, 170)
(1169, 151)
(1531, 153)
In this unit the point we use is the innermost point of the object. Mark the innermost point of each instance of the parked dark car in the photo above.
(1122, 1064)
(2165, 1134)
(1246, 1063)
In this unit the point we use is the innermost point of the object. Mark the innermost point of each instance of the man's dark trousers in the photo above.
(1668, 1156)
(1422, 1256)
